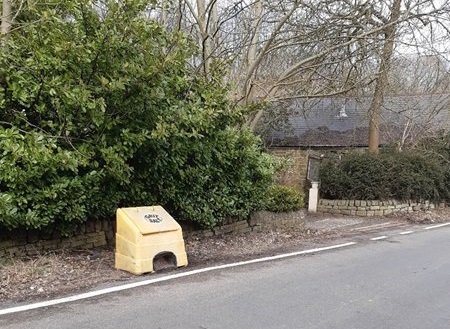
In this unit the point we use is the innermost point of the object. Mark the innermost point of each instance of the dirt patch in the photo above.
(206, 251)
(53, 274)
(57, 274)
(424, 217)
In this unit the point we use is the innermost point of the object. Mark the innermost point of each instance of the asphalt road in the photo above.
(402, 282)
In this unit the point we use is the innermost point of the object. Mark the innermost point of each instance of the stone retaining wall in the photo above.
(258, 221)
(368, 208)
(32, 242)
(101, 233)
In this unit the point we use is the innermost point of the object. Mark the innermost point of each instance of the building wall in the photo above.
(294, 169)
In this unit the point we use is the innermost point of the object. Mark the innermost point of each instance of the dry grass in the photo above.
(55, 273)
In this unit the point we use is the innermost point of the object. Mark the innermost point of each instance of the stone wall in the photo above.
(370, 208)
(258, 221)
(32, 242)
(294, 175)
(101, 233)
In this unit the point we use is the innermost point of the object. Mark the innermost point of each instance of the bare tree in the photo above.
(281, 50)
(382, 75)
(6, 21)
(419, 74)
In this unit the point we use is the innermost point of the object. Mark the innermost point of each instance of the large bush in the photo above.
(98, 110)
(407, 175)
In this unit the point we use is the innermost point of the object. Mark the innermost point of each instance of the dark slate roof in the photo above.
(339, 121)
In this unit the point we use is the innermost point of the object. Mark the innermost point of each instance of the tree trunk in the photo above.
(252, 49)
(6, 22)
(382, 78)
(204, 35)
(254, 58)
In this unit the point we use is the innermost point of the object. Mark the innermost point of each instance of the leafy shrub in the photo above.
(438, 148)
(101, 112)
(42, 184)
(283, 198)
(404, 176)
(223, 174)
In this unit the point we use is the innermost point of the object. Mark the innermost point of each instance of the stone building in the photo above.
(315, 127)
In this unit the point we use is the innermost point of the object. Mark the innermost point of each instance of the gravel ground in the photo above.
(58, 274)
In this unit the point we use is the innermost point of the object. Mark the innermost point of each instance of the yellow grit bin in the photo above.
(143, 234)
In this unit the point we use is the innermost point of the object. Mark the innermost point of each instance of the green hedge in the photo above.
(283, 198)
(407, 175)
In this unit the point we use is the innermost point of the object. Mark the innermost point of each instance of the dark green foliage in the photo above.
(100, 111)
(283, 198)
(407, 175)
(41, 184)
(438, 148)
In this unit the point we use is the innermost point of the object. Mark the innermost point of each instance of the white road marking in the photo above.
(379, 238)
(436, 226)
(406, 232)
(165, 278)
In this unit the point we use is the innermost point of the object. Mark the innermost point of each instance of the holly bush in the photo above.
(99, 110)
